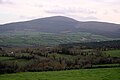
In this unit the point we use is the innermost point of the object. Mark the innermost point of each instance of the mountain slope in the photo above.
(61, 24)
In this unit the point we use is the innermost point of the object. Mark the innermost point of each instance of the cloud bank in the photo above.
(97, 10)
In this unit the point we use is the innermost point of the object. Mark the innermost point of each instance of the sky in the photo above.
(82, 10)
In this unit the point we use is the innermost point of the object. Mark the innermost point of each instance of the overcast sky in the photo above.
(82, 10)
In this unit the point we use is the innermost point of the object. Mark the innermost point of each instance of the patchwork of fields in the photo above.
(99, 71)
(35, 38)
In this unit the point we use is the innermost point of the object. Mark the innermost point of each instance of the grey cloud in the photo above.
(70, 10)
(116, 11)
(27, 17)
(1, 1)
(5, 2)
(111, 2)
(55, 12)
(88, 18)
(106, 0)
(38, 5)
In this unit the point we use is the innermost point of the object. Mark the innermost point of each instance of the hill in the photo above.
(61, 24)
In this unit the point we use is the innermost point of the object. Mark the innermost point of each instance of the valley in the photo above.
(60, 48)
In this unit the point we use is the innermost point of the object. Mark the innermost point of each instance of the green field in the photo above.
(106, 65)
(20, 62)
(6, 58)
(27, 38)
(113, 53)
(82, 74)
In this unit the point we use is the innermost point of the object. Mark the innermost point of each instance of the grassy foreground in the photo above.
(82, 74)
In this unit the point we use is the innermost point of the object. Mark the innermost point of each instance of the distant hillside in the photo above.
(95, 45)
(61, 24)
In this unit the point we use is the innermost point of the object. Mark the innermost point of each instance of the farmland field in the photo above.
(6, 58)
(113, 53)
(30, 38)
(82, 74)
(106, 65)
(20, 62)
